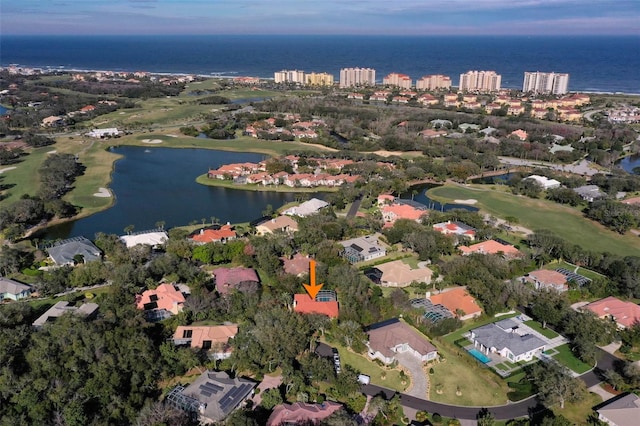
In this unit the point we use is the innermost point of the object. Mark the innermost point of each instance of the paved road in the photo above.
(354, 207)
(502, 412)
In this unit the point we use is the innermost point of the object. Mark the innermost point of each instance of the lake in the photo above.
(3, 110)
(628, 163)
(158, 184)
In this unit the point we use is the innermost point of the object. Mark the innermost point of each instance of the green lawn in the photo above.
(566, 358)
(566, 222)
(478, 386)
(582, 271)
(364, 365)
(549, 334)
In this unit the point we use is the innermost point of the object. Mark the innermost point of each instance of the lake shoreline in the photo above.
(204, 180)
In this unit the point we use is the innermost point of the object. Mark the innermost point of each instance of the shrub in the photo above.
(437, 418)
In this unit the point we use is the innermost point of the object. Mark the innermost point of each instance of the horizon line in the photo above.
(318, 34)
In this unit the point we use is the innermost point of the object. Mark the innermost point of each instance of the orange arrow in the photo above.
(312, 288)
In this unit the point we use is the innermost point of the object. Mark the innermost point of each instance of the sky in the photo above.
(365, 17)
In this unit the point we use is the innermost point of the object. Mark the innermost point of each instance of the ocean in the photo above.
(595, 64)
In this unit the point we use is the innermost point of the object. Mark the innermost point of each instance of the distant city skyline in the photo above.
(337, 17)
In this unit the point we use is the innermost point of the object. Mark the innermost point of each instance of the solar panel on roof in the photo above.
(356, 247)
(205, 393)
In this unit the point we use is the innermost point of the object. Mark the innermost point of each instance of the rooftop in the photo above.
(12, 287)
(303, 304)
(491, 247)
(501, 335)
(63, 252)
(625, 313)
(63, 307)
(301, 412)
(152, 238)
(233, 278)
(388, 334)
(457, 299)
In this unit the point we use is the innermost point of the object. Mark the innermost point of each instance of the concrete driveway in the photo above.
(419, 380)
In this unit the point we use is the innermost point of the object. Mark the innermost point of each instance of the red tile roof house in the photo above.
(241, 279)
(303, 304)
(224, 234)
(625, 314)
(491, 247)
(165, 300)
(546, 279)
(302, 413)
(459, 302)
(393, 212)
(214, 338)
(455, 228)
(394, 336)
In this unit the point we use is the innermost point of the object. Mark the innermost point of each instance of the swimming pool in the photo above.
(479, 356)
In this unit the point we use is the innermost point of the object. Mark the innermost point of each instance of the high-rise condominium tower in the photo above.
(351, 77)
(480, 81)
(546, 82)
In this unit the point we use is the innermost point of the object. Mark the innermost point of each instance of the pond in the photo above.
(158, 184)
(630, 162)
(3, 110)
(420, 196)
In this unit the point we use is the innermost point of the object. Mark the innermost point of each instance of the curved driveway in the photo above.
(502, 412)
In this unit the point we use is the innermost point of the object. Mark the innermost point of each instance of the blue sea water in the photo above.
(595, 64)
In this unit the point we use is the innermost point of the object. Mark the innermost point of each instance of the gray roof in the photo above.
(12, 287)
(63, 252)
(219, 393)
(495, 336)
(61, 308)
(589, 191)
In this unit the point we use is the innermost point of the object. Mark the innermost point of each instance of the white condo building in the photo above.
(434, 82)
(399, 80)
(480, 81)
(351, 77)
(546, 82)
(289, 76)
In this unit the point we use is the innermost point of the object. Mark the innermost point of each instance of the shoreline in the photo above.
(230, 75)
(221, 183)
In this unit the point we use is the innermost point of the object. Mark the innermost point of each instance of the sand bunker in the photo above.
(52, 152)
(172, 136)
(102, 193)
(469, 201)
(6, 169)
(151, 140)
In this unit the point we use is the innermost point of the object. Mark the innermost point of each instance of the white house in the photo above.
(504, 338)
(545, 182)
(102, 133)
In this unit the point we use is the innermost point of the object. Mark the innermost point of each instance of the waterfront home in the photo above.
(589, 192)
(548, 280)
(87, 310)
(153, 238)
(73, 250)
(162, 302)
(240, 279)
(211, 397)
(13, 290)
(362, 249)
(278, 224)
(393, 336)
(302, 413)
(307, 208)
(457, 301)
(505, 339)
(399, 274)
(215, 234)
(402, 209)
(213, 338)
(625, 314)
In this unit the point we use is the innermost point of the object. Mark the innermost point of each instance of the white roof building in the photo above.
(152, 238)
(307, 208)
(545, 182)
(101, 133)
